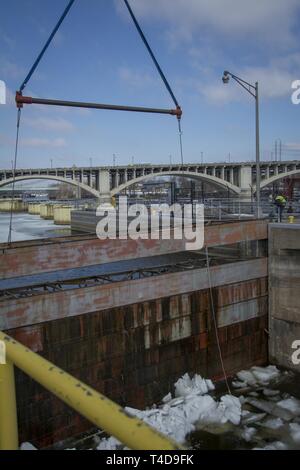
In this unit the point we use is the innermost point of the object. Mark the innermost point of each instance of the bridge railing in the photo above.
(94, 406)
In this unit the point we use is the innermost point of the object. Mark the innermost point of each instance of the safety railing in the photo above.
(97, 408)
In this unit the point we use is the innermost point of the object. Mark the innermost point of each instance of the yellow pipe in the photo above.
(8, 410)
(91, 404)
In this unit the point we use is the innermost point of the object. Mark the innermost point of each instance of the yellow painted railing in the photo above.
(91, 404)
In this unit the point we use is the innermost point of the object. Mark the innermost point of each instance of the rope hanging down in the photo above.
(14, 177)
(215, 320)
(180, 140)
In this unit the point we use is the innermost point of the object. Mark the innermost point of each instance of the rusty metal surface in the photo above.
(114, 268)
(47, 307)
(77, 278)
(135, 353)
(46, 256)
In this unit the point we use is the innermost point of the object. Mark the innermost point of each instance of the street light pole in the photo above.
(257, 153)
(253, 90)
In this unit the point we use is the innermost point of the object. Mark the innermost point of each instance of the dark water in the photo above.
(230, 437)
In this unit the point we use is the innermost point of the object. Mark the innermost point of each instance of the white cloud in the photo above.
(272, 20)
(135, 78)
(8, 40)
(47, 143)
(10, 70)
(49, 124)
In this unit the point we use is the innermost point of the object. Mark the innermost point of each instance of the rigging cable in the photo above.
(161, 73)
(215, 320)
(26, 80)
(37, 61)
(180, 141)
(14, 176)
(163, 77)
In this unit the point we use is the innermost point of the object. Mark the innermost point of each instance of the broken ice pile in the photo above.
(256, 376)
(178, 416)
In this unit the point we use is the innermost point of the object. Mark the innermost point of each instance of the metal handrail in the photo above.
(97, 408)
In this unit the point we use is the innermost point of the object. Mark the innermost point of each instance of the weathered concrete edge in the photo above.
(21, 260)
(48, 307)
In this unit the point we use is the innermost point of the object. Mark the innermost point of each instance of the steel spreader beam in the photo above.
(21, 100)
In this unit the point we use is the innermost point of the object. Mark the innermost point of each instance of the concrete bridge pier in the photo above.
(246, 182)
(104, 187)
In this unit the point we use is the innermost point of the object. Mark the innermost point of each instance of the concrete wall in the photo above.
(47, 211)
(37, 256)
(16, 205)
(62, 215)
(133, 339)
(135, 353)
(34, 208)
(284, 281)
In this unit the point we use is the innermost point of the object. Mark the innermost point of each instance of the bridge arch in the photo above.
(280, 176)
(188, 174)
(87, 188)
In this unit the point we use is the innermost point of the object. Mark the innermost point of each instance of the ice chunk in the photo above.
(197, 385)
(258, 375)
(265, 374)
(277, 445)
(183, 386)
(109, 444)
(268, 392)
(271, 408)
(248, 433)
(291, 404)
(242, 399)
(238, 384)
(273, 423)
(27, 446)
(179, 420)
(295, 432)
(252, 417)
(247, 377)
(176, 401)
(232, 408)
(167, 398)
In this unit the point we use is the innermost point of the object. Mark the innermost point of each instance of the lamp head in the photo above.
(225, 77)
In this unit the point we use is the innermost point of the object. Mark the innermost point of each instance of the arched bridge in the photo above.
(104, 182)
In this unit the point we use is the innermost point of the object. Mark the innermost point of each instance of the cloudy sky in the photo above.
(98, 56)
